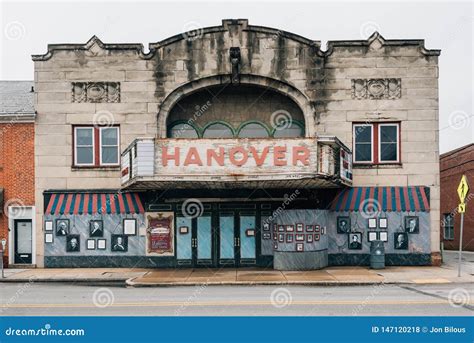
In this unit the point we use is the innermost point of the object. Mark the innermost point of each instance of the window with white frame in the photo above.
(376, 143)
(96, 146)
(448, 223)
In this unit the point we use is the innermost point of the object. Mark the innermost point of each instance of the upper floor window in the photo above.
(182, 130)
(96, 146)
(289, 131)
(218, 130)
(448, 223)
(253, 130)
(376, 143)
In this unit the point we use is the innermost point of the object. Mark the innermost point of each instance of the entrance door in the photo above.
(203, 244)
(23, 241)
(246, 240)
(227, 239)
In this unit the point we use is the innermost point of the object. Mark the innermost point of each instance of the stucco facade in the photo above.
(331, 88)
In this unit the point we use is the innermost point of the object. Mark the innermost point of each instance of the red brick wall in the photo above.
(16, 169)
(453, 166)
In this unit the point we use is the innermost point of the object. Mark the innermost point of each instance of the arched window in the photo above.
(295, 129)
(253, 130)
(182, 130)
(218, 130)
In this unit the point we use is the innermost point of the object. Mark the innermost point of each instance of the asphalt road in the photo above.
(41, 299)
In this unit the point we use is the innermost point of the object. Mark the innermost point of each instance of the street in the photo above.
(55, 299)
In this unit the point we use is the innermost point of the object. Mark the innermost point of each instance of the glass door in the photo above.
(246, 241)
(203, 241)
(227, 238)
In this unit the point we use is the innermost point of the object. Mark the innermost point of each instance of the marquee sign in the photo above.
(235, 159)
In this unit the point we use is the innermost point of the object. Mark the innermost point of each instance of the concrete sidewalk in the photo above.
(230, 276)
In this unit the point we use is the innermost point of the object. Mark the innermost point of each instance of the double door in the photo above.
(217, 239)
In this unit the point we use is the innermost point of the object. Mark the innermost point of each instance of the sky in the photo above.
(28, 26)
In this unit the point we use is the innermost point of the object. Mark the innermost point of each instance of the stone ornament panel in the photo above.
(376, 88)
(96, 92)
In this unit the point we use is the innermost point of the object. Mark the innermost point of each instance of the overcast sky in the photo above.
(27, 28)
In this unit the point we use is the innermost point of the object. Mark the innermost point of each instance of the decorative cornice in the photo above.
(420, 43)
(227, 24)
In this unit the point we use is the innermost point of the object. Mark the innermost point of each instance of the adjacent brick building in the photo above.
(453, 165)
(17, 170)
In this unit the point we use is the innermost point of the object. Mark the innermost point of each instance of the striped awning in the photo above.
(94, 203)
(396, 199)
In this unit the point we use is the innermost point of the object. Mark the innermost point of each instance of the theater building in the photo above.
(237, 146)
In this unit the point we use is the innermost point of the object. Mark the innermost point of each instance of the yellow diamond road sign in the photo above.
(463, 188)
(462, 208)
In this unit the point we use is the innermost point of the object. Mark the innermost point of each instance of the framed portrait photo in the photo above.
(96, 228)
(289, 238)
(48, 225)
(372, 223)
(309, 228)
(62, 227)
(48, 238)
(299, 247)
(275, 246)
(343, 224)
(300, 237)
(412, 224)
(309, 238)
(383, 236)
(290, 228)
(317, 228)
(281, 228)
(266, 227)
(400, 241)
(355, 241)
(299, 227)
(281, 237)
(119, 243)
(73, 243)
(183, 230)
(383, 223)
(267, 235)
(130, 226)
(316, 237)
(250, 233)
(90, 244)
(372, 236)
(101, 244)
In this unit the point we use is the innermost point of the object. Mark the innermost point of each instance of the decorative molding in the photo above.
(376, 89)
(234, 53)
(96, 92)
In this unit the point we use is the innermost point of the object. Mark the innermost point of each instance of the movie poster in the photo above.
(160, 234)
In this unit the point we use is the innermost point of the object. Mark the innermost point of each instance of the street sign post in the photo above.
(463, 189)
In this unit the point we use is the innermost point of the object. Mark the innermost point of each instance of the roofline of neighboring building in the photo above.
(449, 153)
(138, 47)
